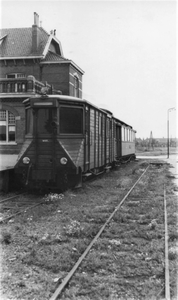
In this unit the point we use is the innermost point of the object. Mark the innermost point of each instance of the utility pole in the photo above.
(151, 141)
(168, 111)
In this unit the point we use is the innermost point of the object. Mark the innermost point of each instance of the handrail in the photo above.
(23, 85)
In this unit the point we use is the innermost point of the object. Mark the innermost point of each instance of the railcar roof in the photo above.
(63, 97)
(60, 97)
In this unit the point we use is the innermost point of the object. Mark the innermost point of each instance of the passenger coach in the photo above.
(68, 138)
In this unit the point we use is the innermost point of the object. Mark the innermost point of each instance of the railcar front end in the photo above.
(53, 128)
(68, 138)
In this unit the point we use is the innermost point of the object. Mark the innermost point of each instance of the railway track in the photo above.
(128, 226)
(133, 201)
(82, 257)
(17, 204)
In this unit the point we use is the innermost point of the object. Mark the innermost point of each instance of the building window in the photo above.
(76, 86)
(15, 75)
(7, 126)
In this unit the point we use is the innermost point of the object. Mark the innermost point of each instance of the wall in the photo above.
(72, 73)
(61, 76)
(56, 75)
(29, 67)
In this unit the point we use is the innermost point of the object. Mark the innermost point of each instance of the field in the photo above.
(156, 151)
(40, 247)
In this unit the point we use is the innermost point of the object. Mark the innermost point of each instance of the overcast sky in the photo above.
(127, 50)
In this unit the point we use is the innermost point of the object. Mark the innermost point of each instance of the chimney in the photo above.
(35, 33)
(36, 19)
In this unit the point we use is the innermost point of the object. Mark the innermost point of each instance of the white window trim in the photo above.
(7, 131)
(16, 75)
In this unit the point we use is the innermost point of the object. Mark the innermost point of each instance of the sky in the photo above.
(127, 50)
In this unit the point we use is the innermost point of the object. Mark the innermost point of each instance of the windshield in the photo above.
(46, 120)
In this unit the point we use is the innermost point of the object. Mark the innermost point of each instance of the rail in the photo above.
(20, 209)
(81, 258)
(167, 285)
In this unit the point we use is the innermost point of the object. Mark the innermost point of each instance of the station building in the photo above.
(30, 59)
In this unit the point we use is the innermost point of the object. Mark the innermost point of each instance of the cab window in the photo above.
(45, 119)
(71, 120)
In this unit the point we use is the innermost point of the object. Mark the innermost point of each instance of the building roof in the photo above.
(17, 42)
(52, 57)
(32, 43)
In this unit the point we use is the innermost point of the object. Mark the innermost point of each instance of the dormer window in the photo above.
(2, 38)
(54, 47)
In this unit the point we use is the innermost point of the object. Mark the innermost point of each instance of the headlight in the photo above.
(63, 161)
(26, 160)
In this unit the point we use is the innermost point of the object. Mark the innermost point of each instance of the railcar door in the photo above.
(118, 141)
(45, 130)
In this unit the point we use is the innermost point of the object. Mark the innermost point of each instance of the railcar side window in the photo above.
(123, 134)
(131, 136)
(107, 128)
(100, 125)
(71, 120)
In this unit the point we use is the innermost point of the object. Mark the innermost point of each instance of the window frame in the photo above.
(29, 117)
(83, 120)
(123, 134)
(76, 86)
(8, 124)
(16, 75)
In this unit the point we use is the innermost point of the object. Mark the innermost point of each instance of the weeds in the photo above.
(73, 229)
(121, 262)
(6, 237)
(173, 235)
(53, 197)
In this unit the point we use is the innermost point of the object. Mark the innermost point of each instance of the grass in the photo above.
(126, 262)
(5, 237)
(156, 151)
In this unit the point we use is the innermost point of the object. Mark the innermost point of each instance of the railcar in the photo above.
(68, 139)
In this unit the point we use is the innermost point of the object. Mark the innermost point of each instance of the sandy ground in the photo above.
(172, 160)
(7, 161)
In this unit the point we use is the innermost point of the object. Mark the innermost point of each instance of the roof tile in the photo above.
(51, 56)
(18, 42)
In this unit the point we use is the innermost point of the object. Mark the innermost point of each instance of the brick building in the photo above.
(29, 59)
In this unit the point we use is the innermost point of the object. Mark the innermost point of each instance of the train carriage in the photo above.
(68, 138)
